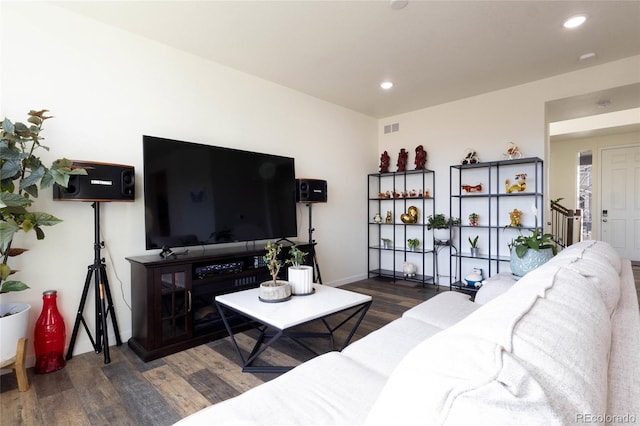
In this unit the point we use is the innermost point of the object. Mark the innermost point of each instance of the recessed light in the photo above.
(587, 57)
(574, 21)
(386, 85)
(398, 4)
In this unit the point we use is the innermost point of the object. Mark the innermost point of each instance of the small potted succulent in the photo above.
(274, 290)
(300, 276)
(386, 243)
(413, 244)
(473, 242)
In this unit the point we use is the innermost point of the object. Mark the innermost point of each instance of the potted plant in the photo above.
(413, 243)
(300, 276)
(530, 251)
(441, 224)
(22, 175)
(474, 246)
(386, 243)
(274, 290)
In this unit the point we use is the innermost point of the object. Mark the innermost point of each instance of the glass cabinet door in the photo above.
(174, 307)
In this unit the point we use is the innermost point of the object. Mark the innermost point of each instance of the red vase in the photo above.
(49, 336)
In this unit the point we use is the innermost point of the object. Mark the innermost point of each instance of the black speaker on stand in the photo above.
(103, 182)
(309, 192)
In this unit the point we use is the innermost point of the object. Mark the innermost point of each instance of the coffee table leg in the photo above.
(261, 345)
(363, 310)
(230, 331)
(257, 350)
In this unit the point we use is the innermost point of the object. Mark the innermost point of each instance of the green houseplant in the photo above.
(22, 175)
(440, 221)
(536, 241)
(530, 251)
(413, 243)
(274, 290)
(473, 242)
(441, 224)
(300, 276)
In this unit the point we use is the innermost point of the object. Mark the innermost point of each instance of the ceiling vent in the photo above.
(391, 128)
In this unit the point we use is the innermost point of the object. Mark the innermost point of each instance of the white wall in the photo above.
(489, 122)
(106, 88)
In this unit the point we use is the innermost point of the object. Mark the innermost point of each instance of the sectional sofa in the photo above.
(560, 346)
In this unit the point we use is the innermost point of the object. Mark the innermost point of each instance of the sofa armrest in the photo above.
(494, 287)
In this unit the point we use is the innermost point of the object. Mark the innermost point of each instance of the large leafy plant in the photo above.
(536, 241)
(22, 175)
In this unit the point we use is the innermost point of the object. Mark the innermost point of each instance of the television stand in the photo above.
(172, 298)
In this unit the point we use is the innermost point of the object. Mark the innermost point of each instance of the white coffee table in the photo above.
(274, 320)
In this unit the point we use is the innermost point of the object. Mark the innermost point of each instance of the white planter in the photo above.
(274, 293)
(301, 279)
(442, 234)
(12, 329)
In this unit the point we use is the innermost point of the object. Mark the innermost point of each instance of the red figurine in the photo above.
(421, 157)
(49, 336)
(384, 162)
(403, 157)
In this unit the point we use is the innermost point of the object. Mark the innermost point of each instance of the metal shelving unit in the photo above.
(387, 262)
(492, 203)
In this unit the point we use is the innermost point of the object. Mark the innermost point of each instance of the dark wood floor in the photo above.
(128, 391)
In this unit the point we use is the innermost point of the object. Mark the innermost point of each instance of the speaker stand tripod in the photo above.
(102, 296)
(312, 243)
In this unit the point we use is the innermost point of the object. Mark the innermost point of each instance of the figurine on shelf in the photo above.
(377, 218)
(413, 193)
(472, 188)
(385, 160)
(411, 216)
(409, 269)
(473, 219)
(474, 278)
(403, 157)
(515, 216)
(389, 218)
(519, 186)
(421, 157)
(513, 152)
(470, 157)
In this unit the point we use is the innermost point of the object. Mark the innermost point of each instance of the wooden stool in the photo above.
(19, 365)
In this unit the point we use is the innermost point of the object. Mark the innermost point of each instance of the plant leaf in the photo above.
(7, 126)
(8, 199)
(8, 286)
(43, 219)
(7, 231)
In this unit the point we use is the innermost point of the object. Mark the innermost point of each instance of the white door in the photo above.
(620, 213)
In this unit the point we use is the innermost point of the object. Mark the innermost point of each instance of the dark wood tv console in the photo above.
(172, 305)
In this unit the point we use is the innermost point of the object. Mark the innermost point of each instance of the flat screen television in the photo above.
(196, 194)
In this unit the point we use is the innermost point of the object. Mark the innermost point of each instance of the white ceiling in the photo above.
(340, 51)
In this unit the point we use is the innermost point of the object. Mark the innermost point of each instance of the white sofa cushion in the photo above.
(384, 348)
(443, 310)
(523, 358)
(330, 389)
